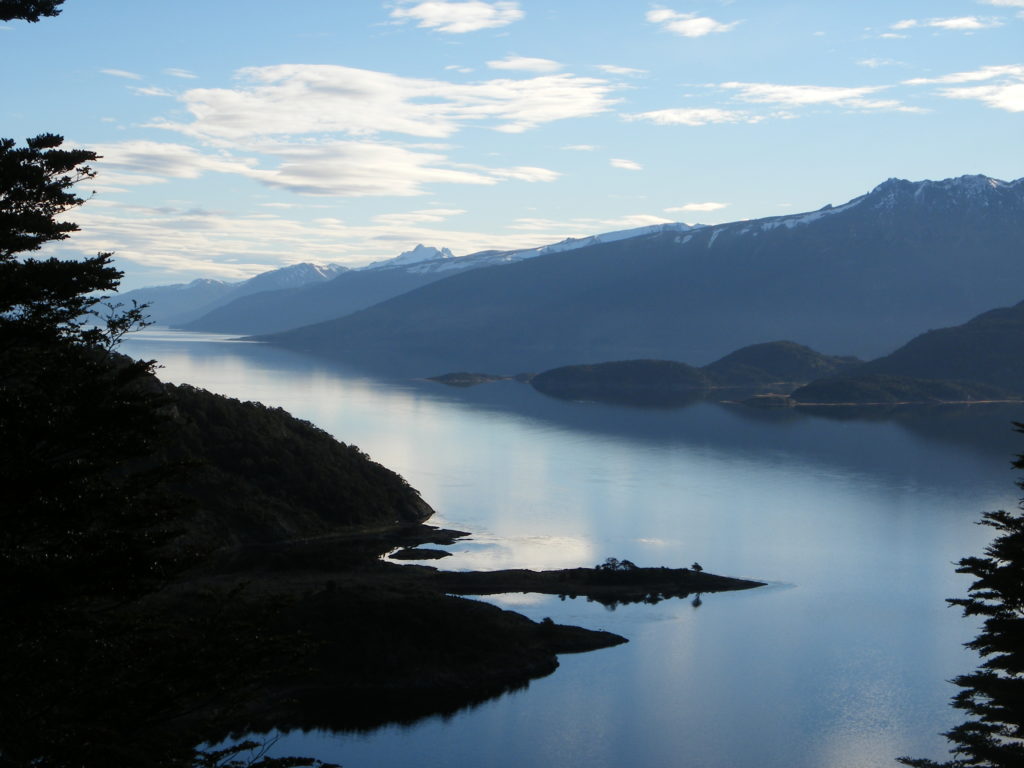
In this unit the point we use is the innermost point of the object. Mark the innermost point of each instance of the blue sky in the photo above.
(242, 136)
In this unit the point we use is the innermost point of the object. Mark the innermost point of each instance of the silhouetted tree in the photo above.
(77, 419)
(993, 694)
(29, 10)
(696, 567)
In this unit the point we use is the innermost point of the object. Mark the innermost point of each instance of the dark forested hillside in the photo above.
(258, 474)
(773, 362)
(986, 349)
(979, 360)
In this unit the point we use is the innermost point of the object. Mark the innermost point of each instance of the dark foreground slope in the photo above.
(857, 279)
(282, 613)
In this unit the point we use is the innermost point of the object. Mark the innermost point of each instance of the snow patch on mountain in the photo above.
(572, 243)
(890, 194)
(976, 189)
(417, 256)
(292, 276)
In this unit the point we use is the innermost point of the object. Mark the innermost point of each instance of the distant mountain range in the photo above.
(360, 288)
(183, 302)
(859, 278)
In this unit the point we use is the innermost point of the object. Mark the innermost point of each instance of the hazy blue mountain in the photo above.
(978, 360)
(774, 362)
(988, 348)
(363, 287)
(859, 278)
(354, 289)
(167, 302)
(179, 303)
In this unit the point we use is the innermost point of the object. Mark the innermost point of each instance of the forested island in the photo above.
(971, 363)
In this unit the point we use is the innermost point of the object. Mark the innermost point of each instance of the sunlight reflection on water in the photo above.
(842, 663)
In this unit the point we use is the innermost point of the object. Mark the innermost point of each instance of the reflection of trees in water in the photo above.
(652, 598)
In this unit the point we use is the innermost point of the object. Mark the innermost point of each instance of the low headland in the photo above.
(288, 612)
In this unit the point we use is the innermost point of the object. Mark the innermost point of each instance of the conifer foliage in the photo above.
(76, 418)
(993, 694)
(29, 10)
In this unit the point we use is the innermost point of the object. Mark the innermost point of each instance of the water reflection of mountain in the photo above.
(932, 444)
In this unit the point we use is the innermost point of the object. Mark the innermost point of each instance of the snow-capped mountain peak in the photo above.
(961, 189)
(421, 253)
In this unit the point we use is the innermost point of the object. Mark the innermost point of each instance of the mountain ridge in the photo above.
(179, 303)
(363, 287)
(859, 278)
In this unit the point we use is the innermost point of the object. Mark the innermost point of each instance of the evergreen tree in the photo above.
(78, 420)
(28, 10)
(993, 694)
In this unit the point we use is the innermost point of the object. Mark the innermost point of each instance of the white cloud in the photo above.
(459, 17)
(295, 99)
(525, 64)
(809, 95)
(697, 208)
(687, 24)
(630, 221)
(693, 116)
(799, 95)
(957, 24)
(427, 216)
(984, 73)
(1007, 97)
(122, 73)
(1006, 3)
(964, 23)
(191, 242)
(584, 227)
(524, 173)
(183, 73)
(152, 90)
(360, 169)
(626, 165)
(613, 69)
(535, 224)
(875, 63)
(787, 97)
(158, 161)
(335, 168)
(1007, 94)
(580, 147)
